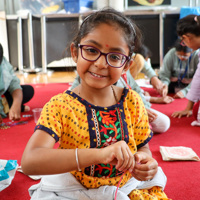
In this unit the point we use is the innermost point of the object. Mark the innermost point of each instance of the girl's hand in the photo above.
(178, 95)
(145, 167)
(182, 113)
(166, 99)
(161, 88)
(152, 116)
(146, 93)
(164, 90)
(118, 154)
(15, 113)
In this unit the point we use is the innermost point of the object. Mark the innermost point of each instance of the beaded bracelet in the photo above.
(76, 153)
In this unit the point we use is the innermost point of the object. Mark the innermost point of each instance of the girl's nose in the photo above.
(101, 62)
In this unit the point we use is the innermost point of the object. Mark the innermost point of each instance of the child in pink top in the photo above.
(188, 28)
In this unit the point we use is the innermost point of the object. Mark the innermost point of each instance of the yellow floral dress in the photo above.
(76, 123)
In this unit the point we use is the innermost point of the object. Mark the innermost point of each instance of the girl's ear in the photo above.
(127, 66)
(74, 52)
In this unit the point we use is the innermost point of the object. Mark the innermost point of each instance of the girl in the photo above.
(188, 28)
(102, 129)
(141, 63)
(179, 66)
(12, 95)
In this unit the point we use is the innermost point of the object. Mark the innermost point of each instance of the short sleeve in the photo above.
(137, 120)
(50, 119)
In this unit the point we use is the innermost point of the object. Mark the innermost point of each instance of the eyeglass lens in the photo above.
(92, 54)
(181, 56)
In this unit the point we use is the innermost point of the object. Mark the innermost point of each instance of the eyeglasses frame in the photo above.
(182, 43)
(181, 56)
(127, 58)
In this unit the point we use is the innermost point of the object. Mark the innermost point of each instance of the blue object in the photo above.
(10, 165)
(86, 3)
(74, 6)
(71, 6)
(189, 11)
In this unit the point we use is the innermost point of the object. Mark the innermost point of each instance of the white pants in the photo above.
(161, 124)
(65, 186)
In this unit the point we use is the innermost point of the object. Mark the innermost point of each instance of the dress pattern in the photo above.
(76, 123)
(108, 128)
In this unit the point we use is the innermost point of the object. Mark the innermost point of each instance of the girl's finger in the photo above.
(126, 158)
(130, 164)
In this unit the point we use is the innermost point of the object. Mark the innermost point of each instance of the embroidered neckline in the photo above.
(86, 103)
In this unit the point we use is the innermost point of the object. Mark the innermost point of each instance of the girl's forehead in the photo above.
(107, 35)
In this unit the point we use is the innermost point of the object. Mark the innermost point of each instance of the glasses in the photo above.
(181, 56)
(113, 59)
(182, 43)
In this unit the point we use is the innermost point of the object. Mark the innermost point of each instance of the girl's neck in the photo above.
(101, 97)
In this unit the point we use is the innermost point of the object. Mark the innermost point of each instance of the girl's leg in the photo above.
(28, 93)
(172, 86)
(161, 124)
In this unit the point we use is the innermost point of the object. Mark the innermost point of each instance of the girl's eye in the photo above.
(115, 57)
(90, 50)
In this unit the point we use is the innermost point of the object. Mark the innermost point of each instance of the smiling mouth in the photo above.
(97, 75)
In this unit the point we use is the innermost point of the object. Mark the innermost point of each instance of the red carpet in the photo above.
(183, 176)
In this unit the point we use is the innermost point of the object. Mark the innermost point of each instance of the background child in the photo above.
(188, 28)
(142, 64)
(102, 129)
(12, 95)
(179, 66)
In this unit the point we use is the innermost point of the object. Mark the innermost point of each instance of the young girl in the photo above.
(179, 66)
(188, 28)
(102, 129)
(13, 96)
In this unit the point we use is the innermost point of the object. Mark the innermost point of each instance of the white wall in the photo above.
(3, 34)
(180, 3)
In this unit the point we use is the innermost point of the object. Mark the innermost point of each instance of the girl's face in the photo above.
(191, 40)
(98, 74)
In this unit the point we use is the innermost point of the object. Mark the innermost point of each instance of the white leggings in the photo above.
(161, 124)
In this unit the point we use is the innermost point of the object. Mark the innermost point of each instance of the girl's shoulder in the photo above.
(195, 53)
(61, 96)
(171, 52)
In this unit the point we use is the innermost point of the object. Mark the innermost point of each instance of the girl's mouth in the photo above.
(97, 75)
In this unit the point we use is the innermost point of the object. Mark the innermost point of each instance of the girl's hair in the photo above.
(189, 24)
(180, 47)
(111, 17)
(1, 53)
(144, 51)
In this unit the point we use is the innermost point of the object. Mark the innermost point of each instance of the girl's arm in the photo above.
(145, 165)
(15, 110)
(40, 157)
